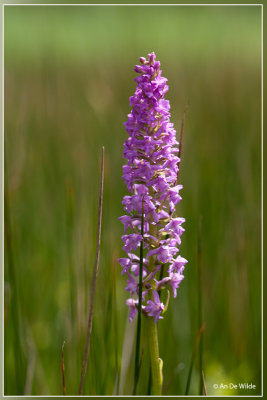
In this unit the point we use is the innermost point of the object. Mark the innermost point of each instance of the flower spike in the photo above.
(150, 174)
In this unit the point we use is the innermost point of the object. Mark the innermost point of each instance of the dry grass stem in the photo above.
(204, 384)
(181, 139)
(91, 311)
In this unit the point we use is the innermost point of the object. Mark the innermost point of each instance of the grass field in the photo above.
(68, 77)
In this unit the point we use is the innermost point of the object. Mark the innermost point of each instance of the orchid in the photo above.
(150, 175)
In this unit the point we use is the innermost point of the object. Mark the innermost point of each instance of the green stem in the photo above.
(149, 381)
(156, 362)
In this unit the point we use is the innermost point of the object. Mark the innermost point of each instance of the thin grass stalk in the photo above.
(116, 332)
(204, 384)
(193, 359)
(181, 140)
(91, 310)
(200, 306)
(138, 333)
(63, 369)
(188, 382)
(69, 232)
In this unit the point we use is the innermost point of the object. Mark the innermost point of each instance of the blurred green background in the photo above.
(68, 77)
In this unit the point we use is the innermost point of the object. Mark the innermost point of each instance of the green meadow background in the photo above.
(68, 78)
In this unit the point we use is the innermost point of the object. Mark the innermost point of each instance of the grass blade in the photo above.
(69, 240)
(116, 329)
(200, 307)
(138, 334)
(193, 358)
(127, 351)
(63, 369)
(91, 310)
